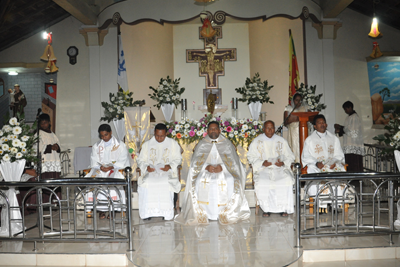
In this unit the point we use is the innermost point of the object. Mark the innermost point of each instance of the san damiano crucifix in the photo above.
(211, 59)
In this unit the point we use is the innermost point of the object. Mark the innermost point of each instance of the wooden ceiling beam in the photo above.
(79, 9)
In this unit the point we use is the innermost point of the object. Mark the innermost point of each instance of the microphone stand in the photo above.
(39, 199)
(280, 128)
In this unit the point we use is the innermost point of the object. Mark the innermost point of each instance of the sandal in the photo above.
(89, 214)
(102, 215)
(284, 214)
(266, 214)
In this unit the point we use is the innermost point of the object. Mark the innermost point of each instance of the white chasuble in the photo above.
(111, 153)
(325, 148)
(273, 184)
(212, 201)
(156, 189)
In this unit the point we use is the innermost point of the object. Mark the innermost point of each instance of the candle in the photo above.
(184, 104)
(234, 103)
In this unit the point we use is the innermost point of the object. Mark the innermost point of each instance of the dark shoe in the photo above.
(147, 219)
(102, 215)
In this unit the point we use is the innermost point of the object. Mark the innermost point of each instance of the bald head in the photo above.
(269, 128)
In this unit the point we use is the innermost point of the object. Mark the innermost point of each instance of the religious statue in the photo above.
(211, 102)
(212, 66)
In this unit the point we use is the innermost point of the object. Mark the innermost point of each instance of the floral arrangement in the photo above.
(115, 110)
(167, 92)
(392, 137)
(310, 98)
(237, 131)
(255, 90)
(17, 141)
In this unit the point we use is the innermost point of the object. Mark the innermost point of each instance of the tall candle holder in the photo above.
(235, 107)
(183, 108)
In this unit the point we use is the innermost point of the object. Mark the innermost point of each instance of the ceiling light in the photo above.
(44, 35)
(13, 73)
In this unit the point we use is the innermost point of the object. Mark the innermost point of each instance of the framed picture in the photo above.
(51, 89)
(217, 92)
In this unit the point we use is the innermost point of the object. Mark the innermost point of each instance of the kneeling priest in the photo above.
(271, 157)
(215, 182)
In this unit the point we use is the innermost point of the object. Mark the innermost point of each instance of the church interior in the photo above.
(163, 38)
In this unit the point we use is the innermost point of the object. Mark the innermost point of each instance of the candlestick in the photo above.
(234, 103)
(184, 104)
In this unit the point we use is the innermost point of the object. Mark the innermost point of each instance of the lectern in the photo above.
(304, 117)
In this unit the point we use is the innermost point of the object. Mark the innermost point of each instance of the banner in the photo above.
(122, 78)
(294, 76)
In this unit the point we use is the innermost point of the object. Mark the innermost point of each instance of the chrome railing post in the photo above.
(128, 171)
(298, 205)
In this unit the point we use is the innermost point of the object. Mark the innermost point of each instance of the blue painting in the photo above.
(384, 85)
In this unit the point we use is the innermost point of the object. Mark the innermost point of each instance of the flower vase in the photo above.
(255, 109)
(11, 172)
(167, 110)
(119, 128)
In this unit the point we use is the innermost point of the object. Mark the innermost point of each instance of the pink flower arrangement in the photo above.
(204, 134)
(192, 133)
(229, 129)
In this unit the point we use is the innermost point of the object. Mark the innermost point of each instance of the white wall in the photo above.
(351, 48)
(73, 113)
(235, 35)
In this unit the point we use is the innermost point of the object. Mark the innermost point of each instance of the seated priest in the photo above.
(322, 153)
(158, 162)
(215, 183)
(271, 158)
(108, 157)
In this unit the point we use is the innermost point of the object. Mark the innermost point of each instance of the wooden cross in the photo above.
(204, 182)
(211, 59)
(221, 184)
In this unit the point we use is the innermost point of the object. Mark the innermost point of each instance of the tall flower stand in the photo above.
(167, 110)
(255, 109)
(11, 172)
(119, 128)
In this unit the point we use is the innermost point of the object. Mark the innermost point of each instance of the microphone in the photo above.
(38, 112)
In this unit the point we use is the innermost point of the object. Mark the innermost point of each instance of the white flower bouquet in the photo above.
(391, 138)
(310, 98)
(167, 92)
(255, 90)
(115, 109)
(17, 141)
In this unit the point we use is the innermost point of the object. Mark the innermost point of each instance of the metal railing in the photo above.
(65, 162)
(328, 185)
(63, 213)
(376, 160)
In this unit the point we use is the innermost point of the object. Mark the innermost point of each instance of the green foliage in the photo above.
(167, 92)
(310, 98)
(255, 90)
(115, 109)
(391, 138)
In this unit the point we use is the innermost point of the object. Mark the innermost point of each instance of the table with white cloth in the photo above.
(82, 159)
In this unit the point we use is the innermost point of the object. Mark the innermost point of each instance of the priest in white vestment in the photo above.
(271, 158)
(108, 157)
(158, 162)
(322, 153)
(215, 183)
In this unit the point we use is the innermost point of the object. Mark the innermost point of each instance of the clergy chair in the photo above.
(176, 195)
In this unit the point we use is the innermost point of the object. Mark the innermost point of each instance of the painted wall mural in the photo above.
(384, 85)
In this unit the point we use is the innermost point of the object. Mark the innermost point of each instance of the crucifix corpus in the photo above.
(211, 61)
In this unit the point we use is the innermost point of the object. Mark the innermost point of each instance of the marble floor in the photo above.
(259, 241)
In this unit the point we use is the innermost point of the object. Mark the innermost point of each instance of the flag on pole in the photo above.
(294, 76)
(122, 77)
